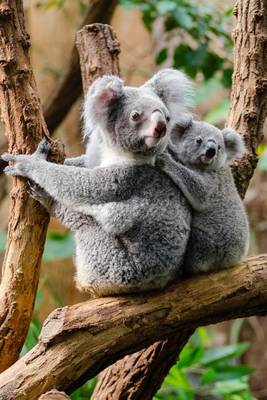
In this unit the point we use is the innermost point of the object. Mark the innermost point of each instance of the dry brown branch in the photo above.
(24, 126)
(53, 395)
(126, 379)
(78, 341)
(99, 50)
(70, 85)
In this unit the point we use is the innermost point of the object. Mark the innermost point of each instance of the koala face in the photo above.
(135, 120)
(205, 146)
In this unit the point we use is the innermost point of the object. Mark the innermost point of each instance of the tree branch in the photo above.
(70, 86)
(78, 341)
(54, 395)
(248, 112)
(24, 127)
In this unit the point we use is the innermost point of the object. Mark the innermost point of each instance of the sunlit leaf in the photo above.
(217, 355)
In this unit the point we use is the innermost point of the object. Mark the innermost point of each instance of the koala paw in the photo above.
(43, 149)
(18, 169)
(23, 164)
(39, 194)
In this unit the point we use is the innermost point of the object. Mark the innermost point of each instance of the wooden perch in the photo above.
(78, 341)
(70, 86)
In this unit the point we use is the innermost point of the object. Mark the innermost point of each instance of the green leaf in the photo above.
(127, 4)
(213, 63)
(227, 77)
(189, 357)
(165, 6)
(225, 373)
(231, 386)
(161, 56)
(208, 377)
(183, 19)
(262, 164)
(3, 237)
(218, 355)
(58, 246)
(178, 379)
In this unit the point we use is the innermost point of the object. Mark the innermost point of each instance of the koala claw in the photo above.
(8, 157)
(11, 171)
(38, 193)
(43, 149)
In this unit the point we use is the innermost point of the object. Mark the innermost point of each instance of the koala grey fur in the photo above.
(198, 164)
(131, 223)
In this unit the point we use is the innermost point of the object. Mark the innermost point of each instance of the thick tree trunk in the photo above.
(249, 91)
(70, 86)
(24, 127)
(248, 111)
(78, 341)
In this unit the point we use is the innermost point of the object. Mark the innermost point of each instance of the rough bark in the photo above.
(24, 127)
(247, 115)
(70, 86)
(129, 377)
(249, 91)
(54, 395)
(78, 341)
(98, 49)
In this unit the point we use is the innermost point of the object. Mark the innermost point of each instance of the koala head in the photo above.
(204, 146)
(136, 119)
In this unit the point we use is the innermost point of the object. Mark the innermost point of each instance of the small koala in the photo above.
(131, 223)
(197, 161)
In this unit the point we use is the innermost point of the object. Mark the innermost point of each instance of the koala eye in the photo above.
(168, 118)
(135, 116)
(219, 147)
(199, 140)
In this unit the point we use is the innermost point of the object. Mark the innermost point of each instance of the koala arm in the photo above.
(71, 219)
(195, 188)
(76, 161)
(74, 187)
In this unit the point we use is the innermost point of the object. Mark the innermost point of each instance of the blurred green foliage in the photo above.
(203, 25)
(47, 4)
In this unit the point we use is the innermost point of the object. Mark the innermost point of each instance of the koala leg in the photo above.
(201, 254)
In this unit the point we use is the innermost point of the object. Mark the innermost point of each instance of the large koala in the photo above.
(198, 164)
(131, 222)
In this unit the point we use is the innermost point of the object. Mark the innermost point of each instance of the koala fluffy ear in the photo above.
(174, 89)
(101, 95)
(179, 128)
(234, 144)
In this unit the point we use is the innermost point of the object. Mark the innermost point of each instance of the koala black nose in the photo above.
(211, 151)
(160, 129)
